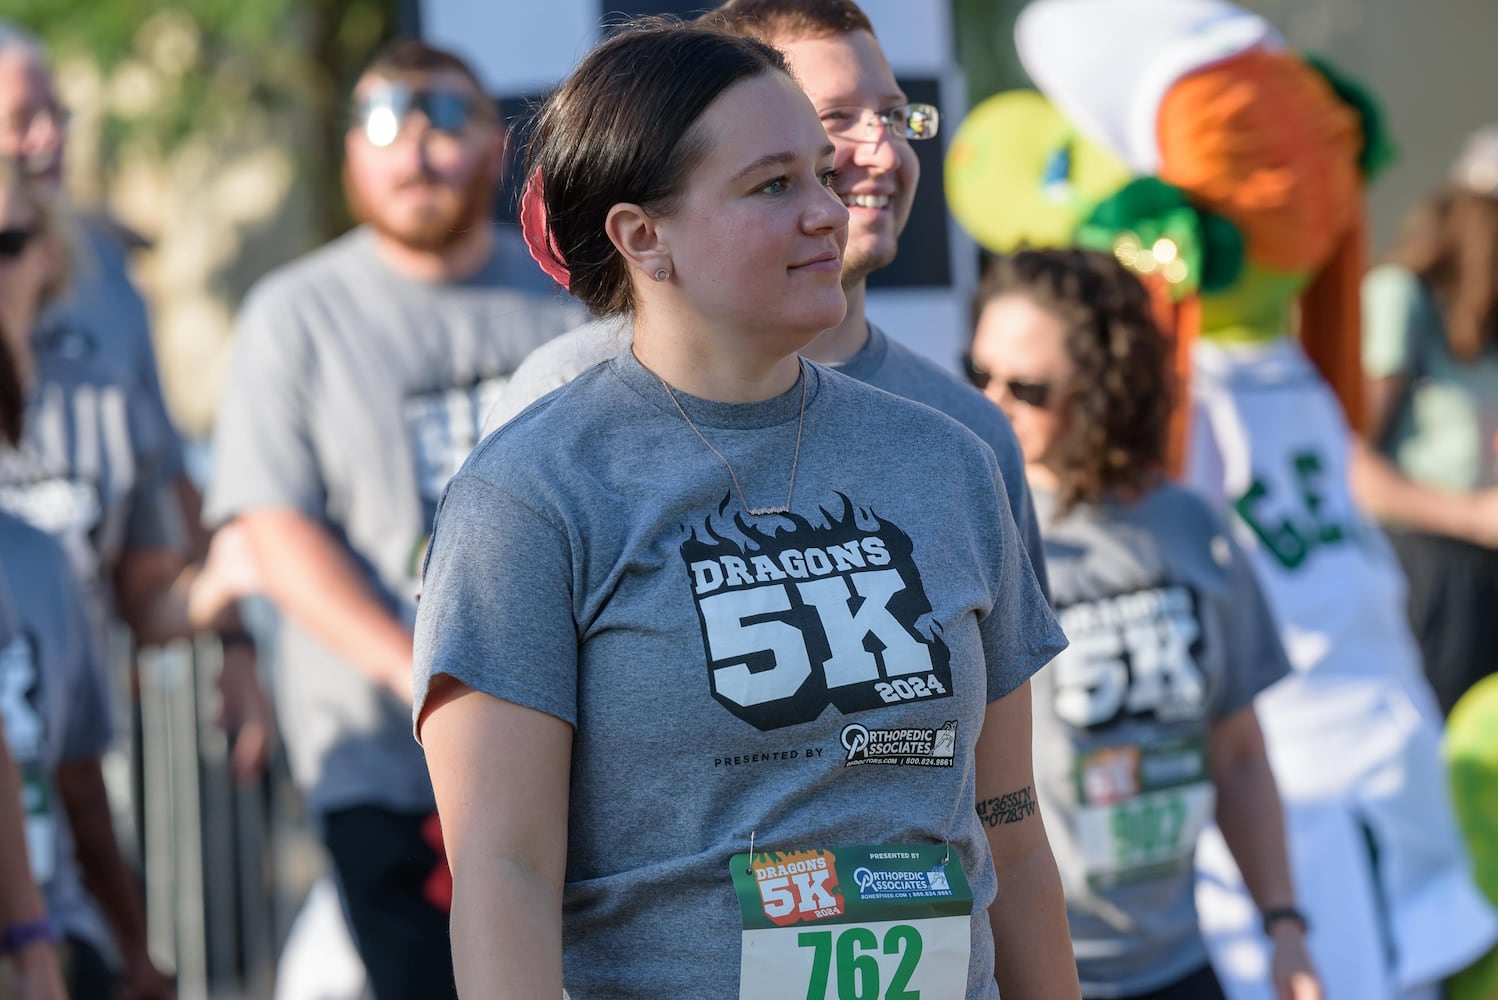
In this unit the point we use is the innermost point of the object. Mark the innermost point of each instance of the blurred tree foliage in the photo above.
(985, 46)
(181, 70)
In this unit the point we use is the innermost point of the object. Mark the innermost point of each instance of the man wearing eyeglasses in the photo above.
(358, 383)
(832, 50)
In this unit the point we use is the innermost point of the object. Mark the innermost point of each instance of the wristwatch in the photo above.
(1275, 914)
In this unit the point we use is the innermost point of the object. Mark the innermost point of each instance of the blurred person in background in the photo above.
(830, 45)
(1430, 353)
(28, 960)
(358, 384)
(1145, 725)
(100, 316)
(87, 469)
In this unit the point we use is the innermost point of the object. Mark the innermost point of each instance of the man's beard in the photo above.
(445, 223)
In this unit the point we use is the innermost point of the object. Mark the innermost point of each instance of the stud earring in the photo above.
(662, 273)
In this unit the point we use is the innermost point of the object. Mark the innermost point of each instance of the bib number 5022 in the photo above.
(853, 953)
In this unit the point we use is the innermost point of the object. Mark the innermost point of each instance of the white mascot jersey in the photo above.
(1353, 734)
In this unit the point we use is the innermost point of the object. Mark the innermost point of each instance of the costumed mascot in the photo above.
(1229, 172)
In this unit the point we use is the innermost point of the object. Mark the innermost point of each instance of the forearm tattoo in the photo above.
(1010, 808)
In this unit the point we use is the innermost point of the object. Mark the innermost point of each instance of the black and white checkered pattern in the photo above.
(523, 48)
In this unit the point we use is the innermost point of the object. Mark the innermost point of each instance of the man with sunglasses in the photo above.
(831, 47)
(359, 380)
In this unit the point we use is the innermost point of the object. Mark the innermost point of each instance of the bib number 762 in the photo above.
(853, 953)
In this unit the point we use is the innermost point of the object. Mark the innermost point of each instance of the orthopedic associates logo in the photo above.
(807, 616)
(910, 747)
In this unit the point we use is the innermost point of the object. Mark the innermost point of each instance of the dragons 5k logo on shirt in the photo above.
(799, 618)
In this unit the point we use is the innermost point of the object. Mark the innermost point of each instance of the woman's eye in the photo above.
(774, 187)
(827, 178)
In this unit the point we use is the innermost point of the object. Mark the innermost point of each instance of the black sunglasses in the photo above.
(1035, 394)
(13, 242)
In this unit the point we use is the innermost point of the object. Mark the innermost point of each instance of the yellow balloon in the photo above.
(1018, 172)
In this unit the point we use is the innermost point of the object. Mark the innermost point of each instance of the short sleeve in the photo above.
(1250, 636)
(1392, 313)
(496, 607)
(264, 454)
(1020, 633)
(155, 517)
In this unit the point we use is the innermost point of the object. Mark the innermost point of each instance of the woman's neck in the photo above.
(715, 363)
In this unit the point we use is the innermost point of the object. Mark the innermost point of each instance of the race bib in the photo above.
(887, 922)
(1141, 809)
(41, 826)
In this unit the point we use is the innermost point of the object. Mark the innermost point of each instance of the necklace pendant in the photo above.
(766, 511)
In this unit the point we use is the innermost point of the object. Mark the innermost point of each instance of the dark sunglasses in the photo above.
(13, 242)
(1034, 394)
(382, 112)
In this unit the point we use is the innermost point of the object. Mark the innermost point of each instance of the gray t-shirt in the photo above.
(102, 316)
(93, 470)
(1169, 633)
(726, 674)
(354, 394)
(882, 362)
(55, 708)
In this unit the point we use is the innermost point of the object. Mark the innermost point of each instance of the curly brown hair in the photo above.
(1121, 397)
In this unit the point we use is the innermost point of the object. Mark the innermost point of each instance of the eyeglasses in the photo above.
(1032, 394)
(13, 242)
(907, 121)
(381, 113)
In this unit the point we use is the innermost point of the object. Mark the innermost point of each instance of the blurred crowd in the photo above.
(1262, 508)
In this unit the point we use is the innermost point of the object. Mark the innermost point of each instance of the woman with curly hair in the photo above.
(1145, 727)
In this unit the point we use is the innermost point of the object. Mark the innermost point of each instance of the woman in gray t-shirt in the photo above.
(1144, 727)
(722, 657)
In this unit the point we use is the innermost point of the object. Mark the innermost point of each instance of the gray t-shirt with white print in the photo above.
(727, 674)
(1169, 633)
(354, 393)
(94, 470)
(55, 708)
(882, 362)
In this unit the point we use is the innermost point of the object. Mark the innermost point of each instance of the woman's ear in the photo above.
(635, 234)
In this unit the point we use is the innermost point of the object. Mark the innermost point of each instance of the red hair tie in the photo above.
(537, 233)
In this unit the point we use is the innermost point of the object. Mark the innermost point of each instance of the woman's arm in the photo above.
(1388, 495)
(500, 774)
(1032, 952)
(1252, 824)
(80, 786)
(36, 972)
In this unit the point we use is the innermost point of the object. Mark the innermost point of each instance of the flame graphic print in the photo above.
(809, 615)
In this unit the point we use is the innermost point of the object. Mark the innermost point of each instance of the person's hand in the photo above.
(37, 975)
(245, 714)
(229, 573)
(143, 981)
(1294, 976)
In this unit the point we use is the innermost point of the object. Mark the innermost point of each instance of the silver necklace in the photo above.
(790, 490)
